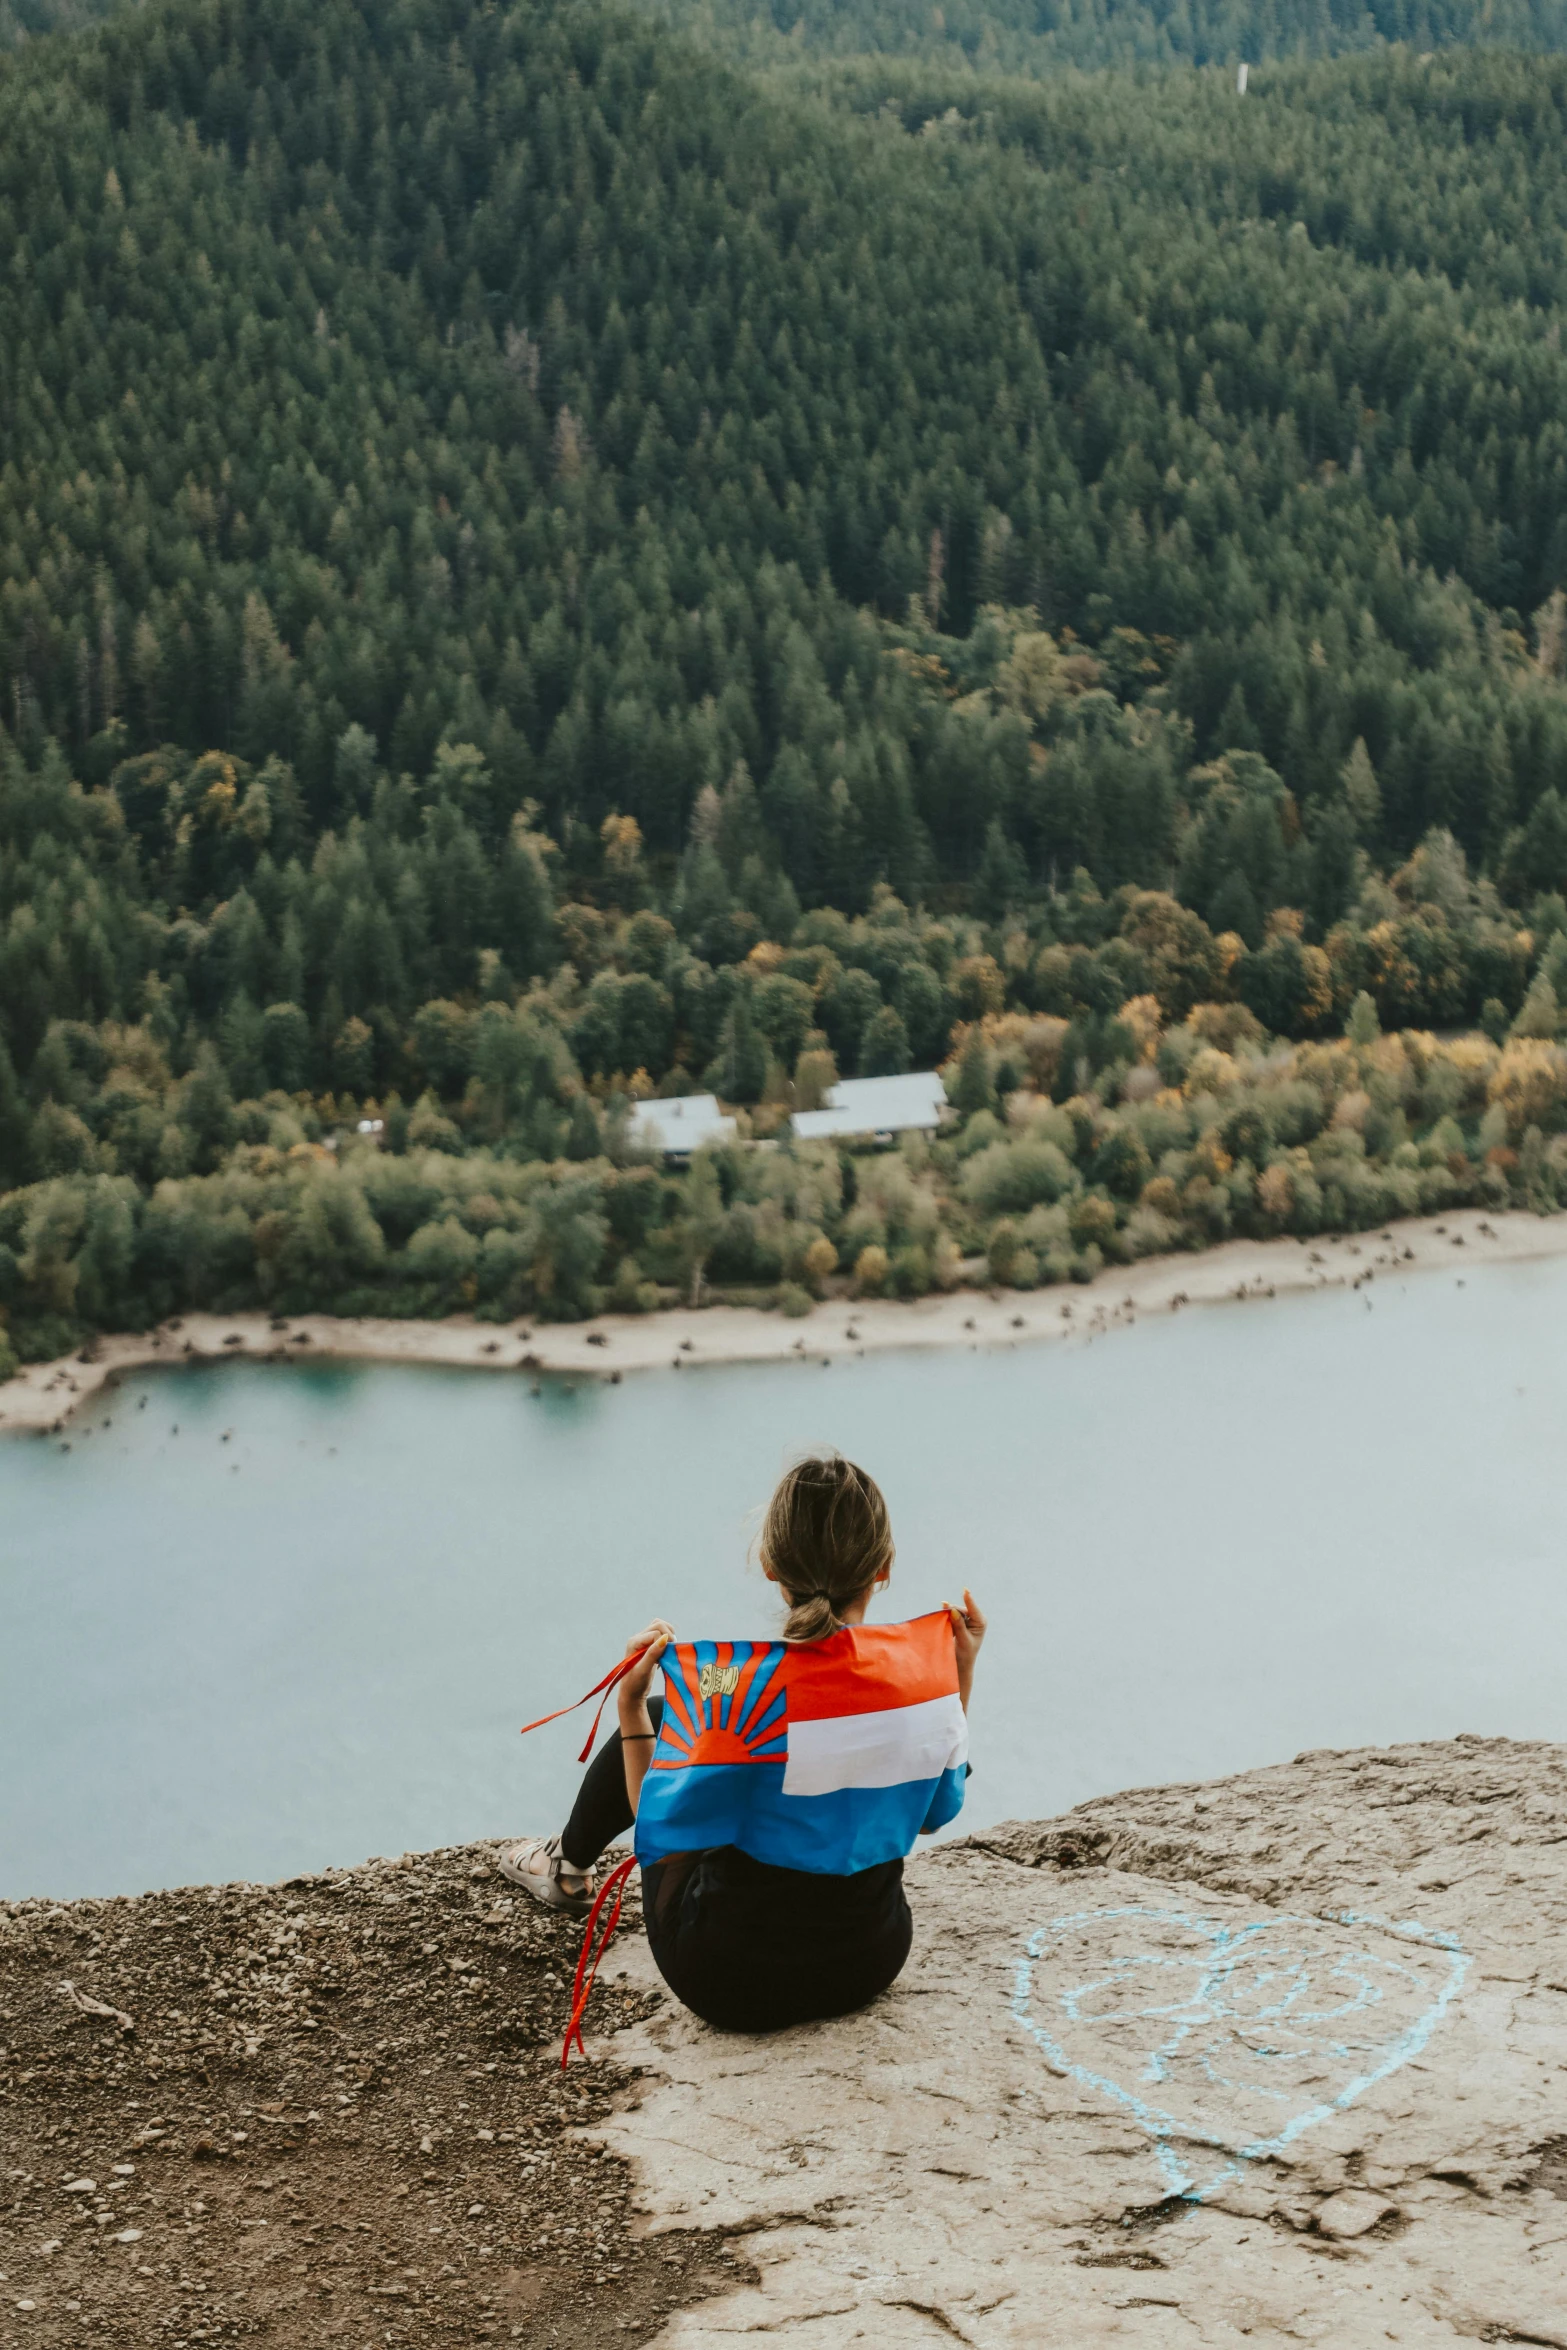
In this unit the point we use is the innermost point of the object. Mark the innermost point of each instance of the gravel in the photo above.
(325, 2111)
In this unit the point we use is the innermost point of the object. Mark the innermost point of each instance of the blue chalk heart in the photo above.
(1233, 2038)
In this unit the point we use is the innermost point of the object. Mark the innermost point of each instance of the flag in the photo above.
(829, 1756)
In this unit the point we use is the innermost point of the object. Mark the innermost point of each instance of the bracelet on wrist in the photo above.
(636, 1737)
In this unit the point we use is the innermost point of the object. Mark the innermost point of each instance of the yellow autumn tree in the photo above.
(1529, 1085)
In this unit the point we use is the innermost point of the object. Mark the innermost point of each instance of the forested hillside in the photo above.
(568, 398)
(533, 565)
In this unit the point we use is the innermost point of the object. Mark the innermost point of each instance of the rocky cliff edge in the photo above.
(1281, 2057)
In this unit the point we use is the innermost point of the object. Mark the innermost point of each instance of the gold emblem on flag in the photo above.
(718, 1681)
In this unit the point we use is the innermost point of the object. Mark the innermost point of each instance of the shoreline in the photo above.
(44, 1396)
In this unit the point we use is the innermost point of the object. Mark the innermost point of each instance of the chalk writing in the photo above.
(1232, 2037)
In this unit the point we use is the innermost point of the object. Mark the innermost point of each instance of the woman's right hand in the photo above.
(636, 1723)
(647, 1647)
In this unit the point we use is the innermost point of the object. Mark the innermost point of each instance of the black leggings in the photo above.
(602, 1812)
(746, 1946)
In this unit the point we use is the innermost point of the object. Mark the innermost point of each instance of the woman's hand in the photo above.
(636, 1723)
(968, 1631)
(647, 1648)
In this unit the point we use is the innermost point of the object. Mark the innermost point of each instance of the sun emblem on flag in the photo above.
(723, 1703)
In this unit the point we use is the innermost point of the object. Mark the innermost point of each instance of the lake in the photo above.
(271, 1618)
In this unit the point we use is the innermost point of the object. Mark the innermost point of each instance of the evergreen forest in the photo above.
(556, 552)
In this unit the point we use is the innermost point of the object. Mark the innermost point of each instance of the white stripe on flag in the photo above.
(884, 1749)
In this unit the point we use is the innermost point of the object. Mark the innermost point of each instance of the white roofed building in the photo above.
(680, 1126)
(868, 1106)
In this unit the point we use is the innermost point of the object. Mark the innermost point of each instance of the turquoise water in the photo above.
(1203, 1544)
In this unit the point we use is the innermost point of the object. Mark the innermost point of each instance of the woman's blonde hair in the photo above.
(826, 1538)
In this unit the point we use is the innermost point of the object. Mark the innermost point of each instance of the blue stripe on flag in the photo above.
(697, 1807)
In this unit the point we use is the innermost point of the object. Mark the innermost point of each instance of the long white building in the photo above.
(874, 1106)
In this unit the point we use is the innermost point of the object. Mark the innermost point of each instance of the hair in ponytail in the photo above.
(811, 1618)
(825, 1539)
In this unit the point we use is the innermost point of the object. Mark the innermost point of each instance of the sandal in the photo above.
(539, 1868)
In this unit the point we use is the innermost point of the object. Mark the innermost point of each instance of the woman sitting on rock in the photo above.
(776, 1787)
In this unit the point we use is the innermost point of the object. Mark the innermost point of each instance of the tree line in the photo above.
(1041, 38)
(30, 20)
(1029, 37)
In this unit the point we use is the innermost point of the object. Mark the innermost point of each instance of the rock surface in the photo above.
(1283, 2057)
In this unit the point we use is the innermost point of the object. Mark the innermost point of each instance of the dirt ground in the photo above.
(324, 2112)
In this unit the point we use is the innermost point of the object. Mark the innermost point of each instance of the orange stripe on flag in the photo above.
(871, 1667)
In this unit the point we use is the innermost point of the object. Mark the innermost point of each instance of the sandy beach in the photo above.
(45, 1395)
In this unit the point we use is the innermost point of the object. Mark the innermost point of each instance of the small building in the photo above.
(876, 1107)
(679, 1127)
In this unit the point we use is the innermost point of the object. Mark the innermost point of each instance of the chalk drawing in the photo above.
(1233, 2038)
